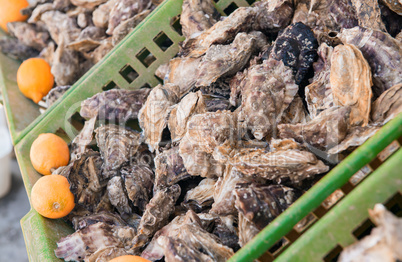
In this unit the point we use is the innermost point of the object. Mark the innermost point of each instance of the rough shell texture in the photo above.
(272, 16)
(13, 48)
(156, 215)
(355, 137)
(87, 241)
(261, 204)
(80, 143)
(29, 35)
(65, 66)
(124, 28)
(388, 105)
(202, 196)
(117, 195)
(319, 93)
(295, 113)
(62, 28)
(115, 104)
(369, 14)
(297, 47)
(153, 115)
(247, 230)
(54, 94)
(350, 81)
(116, 145)
(177, 250)
(392, 21)
(192, 103)
(267, 90)
(138, 182)
(100, 16)
(382, 52)
(106, 254)
(197, 16)
(323, 132)
(104, 217)
(394, 5)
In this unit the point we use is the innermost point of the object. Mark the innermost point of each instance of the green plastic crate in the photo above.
(124, 67)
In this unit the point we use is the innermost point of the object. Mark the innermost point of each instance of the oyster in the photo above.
(89, 39)
(224, 199)
(62, 28)
(13, 48)
(225, 230)
(319, 93)
(104, 217)
(116, 145)
(127, 26)
(241, 20)
(201, 196)
(350, 81)
(273, 16)
(153, 115)
(388, 105)
(293, 164)
(106, 254)
(382, 52)
(86, 181)
(247, 230)
(123, 10)
(169, 169)
(394, 5)
(54, 94)
(65, 66)
(261, 204)
(192, 103)
(83, 139)
(178, 250)
(323, 132)
(100, 16)
(117, 196)
(115, 104)
(156, 215)
(88, 4)
(197, 16)
(383, 243)
(392, 21)
(267, 90)
(29, 35)
(295, 113)
(355, 137)
(138, 181)
(369, 14)
(87, 241)
(296, 47)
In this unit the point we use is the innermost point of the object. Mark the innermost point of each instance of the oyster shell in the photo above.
(156, 215)
(383, 243)
(295, 113)
(65, 66)
(62, 28)
(273, 16)
(382, 52)
(13, 48)
(100, 16)
(297, 47)
(197, 16)
(153, 115)
(124, 10)
(88, 4)
(104, 217)
(350, 81)
(89, 39)
(225, 230)
(117, 196)
(83, 139)
(202, 196)
(392, 21)
(394, 5)
(87, 241)
(116, 145)
(115, 104)
(267, 90)
(388, 105)
(54, 94)
(247, 230)
(124, 28)
(169, 169)
(323, 132)
(192, 103)
(29, 35)
(293, 164)
(224, 199)
(261, 204)
(106, 254)
(369, 14)
(138, 182)
(177, 250)
(356, 136)
(182, 72)
(319, 93)
(241, 20)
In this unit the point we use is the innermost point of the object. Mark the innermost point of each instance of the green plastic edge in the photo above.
(337, 225)
(310, 200)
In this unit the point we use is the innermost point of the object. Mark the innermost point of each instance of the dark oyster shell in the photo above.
(80, 143)
(13, 48)
(382, 52)
(29, 35)
(392, 21)
(297, 47)
(388, 105)
(127, 26)
(115, 104)
(200, 197)
(261, 204)
(117, 195)
(177, 250)
(116, 145)
(273, 16)
(54, 94)
(104, 217)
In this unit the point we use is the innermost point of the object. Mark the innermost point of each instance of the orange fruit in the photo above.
(34, 78)
(129, 258)
(49, 152)
(10, 12)
(51, 196)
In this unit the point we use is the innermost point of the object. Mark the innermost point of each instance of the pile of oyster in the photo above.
(254, 109)
(72, 35)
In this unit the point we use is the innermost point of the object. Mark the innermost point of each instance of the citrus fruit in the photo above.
(10, 12)
(129, 258)
(49, 152)
(34, 78)
(51, 196)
